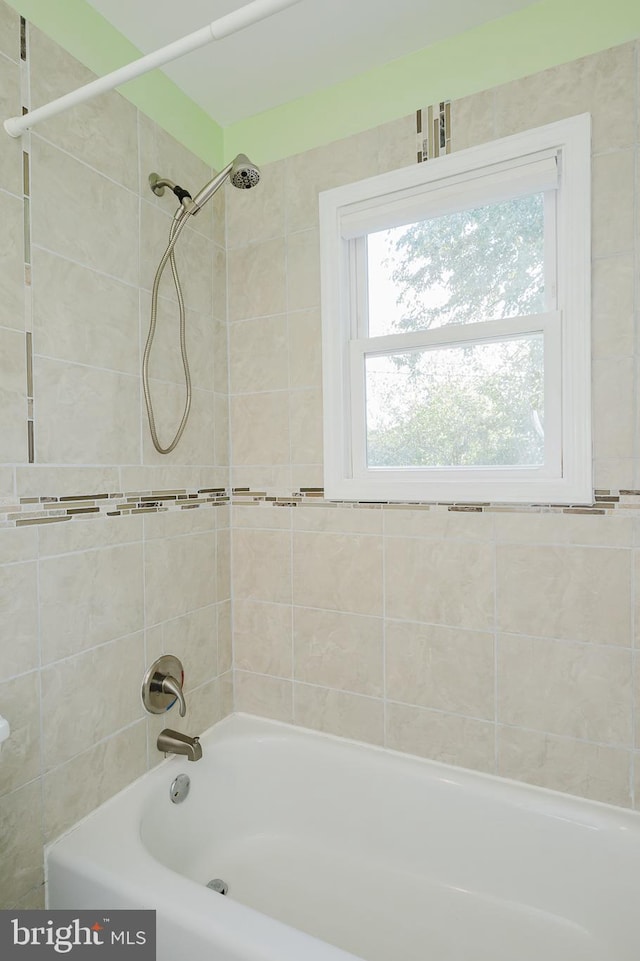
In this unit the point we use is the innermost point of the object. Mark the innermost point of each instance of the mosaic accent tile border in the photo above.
(27, 511)
(433, 130)
(604, 502)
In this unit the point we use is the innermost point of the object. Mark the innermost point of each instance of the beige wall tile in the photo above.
(614, 474)
(18, 544)
(303, 270)
(194, 254)
(179, 576)
(305, 419)
(612, 328)
(83, 316)
(9, 32)
(18, 618)
(262, 566)
(204, 708)
(219, 293)
(305, 348)
(340, 162)
(12, 259)
(256, 278)
(600, 84)
(175, 477)
(74, 789)
(264, 696)
(262, 638)
(69, 695)
(13, 400)
(614, 408)
(338, 519)
(439, 582)
(340, 651)
(473, 120)
(222, 449)
(260, 428)
(197, 444)
(176, 524)
(438, 524)
(20, 759)
(106, 587)
(40, 480)
(73, 536)
(440, 668)
(102, 132)
(225, 637)
(165, 359)
(224, 686)
(336, 712)
(33, 900)
(71, 205)
(20, 843)
(613, 530)
(396, 146)
(635, 679)
(258, 358)
(193, 639)
(257, 215)
(262, 517)
(562, 764)
(85, 415)
(11, 154)
(612, 213)
(575, 690)
(7, 482)
(223, 565)
(441, 737)
(577, 593)
(220, 364)
(338, 572)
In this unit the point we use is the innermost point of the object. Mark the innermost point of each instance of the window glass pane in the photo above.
(482, 264)
(476, 405)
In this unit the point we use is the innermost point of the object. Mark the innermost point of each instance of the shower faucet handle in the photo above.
(162, 686)
(171, 686)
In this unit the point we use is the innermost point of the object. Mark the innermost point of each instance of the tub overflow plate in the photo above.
(218, 885)
(180, 788)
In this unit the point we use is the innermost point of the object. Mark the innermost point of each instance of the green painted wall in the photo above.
(542, 35)
(80, 29)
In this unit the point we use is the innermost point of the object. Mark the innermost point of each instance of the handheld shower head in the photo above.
(243, 174)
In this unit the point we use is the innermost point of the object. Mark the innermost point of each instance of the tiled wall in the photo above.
(109, 553)
(503, 641)
(500, 640)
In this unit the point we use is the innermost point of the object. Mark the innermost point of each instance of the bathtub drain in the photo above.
(218, 885)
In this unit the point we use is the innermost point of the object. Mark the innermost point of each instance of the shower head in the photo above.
(244, 174)
(241, 171)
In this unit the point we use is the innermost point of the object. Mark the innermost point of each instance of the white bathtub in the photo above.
(333, 849)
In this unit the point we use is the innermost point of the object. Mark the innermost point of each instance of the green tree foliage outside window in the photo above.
(471, 405)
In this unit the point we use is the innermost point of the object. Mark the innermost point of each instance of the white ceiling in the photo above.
(298, 51)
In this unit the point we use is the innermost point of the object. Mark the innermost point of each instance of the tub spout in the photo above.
(172, 742)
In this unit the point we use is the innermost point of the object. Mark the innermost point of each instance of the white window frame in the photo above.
(558, 153)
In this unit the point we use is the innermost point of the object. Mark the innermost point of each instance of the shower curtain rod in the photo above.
(223, 27)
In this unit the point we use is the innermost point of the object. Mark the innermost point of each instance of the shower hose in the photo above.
(177, 225)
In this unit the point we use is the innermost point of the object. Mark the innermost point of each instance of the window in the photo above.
(456, 325)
